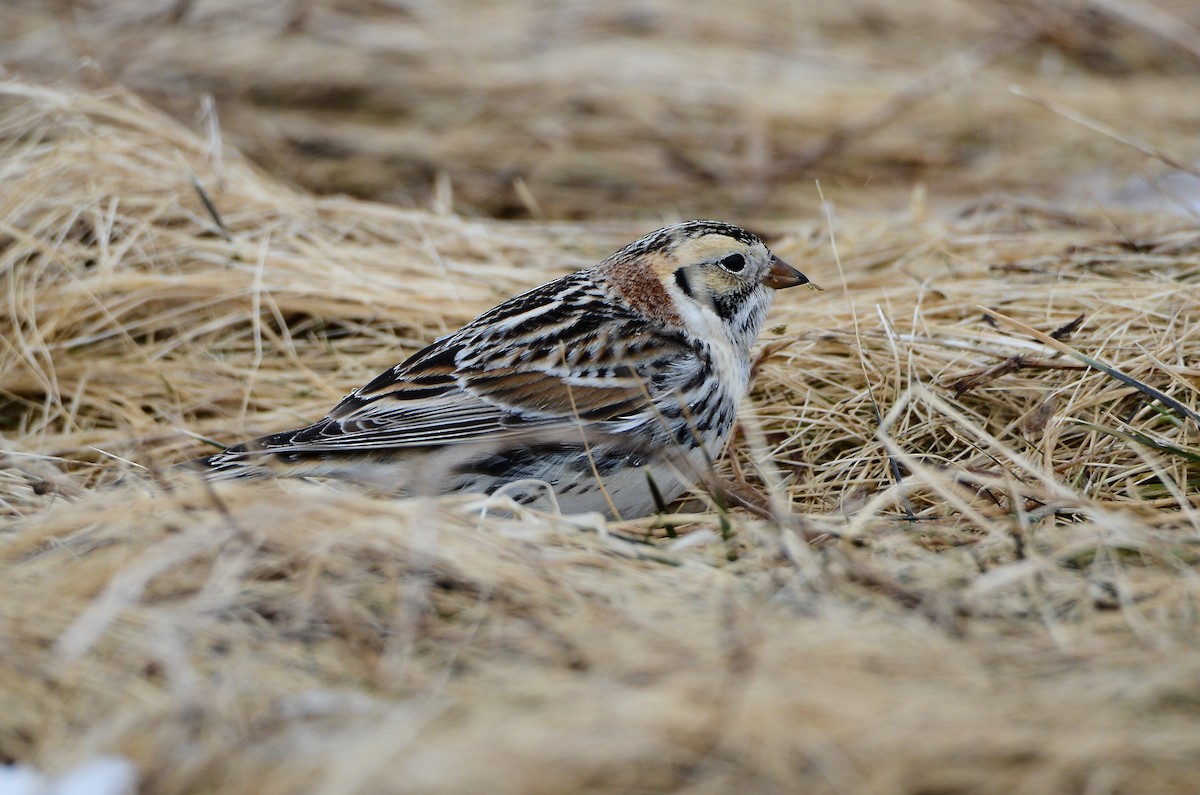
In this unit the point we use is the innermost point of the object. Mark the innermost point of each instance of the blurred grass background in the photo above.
(582, 110)
(967, 561)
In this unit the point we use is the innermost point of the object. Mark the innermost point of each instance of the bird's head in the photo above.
(709, 277)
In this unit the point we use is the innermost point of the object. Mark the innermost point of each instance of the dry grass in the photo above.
(972, 565)
(646, 107)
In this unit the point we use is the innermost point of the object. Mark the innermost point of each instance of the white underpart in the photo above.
(731, 360)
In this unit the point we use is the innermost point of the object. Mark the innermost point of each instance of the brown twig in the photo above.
(976, 378)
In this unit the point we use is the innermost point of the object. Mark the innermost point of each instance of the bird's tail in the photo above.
(277, 455)
(240, 462)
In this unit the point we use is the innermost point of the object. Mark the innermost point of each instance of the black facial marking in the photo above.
(681, 279)
(727, 306)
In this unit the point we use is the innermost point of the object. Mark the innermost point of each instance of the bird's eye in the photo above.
(734, 263)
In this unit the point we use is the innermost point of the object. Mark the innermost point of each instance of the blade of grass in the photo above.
(1137, 437)
(1103, 367)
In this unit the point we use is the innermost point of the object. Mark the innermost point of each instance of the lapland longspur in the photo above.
(614, 386)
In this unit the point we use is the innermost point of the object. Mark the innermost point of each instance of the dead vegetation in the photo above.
(646, 108)
(963, 550)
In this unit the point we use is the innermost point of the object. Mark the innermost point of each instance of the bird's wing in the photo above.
(512, 371)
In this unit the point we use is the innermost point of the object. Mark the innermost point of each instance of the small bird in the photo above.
(614, 387)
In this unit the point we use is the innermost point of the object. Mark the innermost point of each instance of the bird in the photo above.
(612, 389)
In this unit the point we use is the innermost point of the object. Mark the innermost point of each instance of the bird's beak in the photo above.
(781, 276)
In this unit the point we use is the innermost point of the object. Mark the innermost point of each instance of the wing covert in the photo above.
(587, 359)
